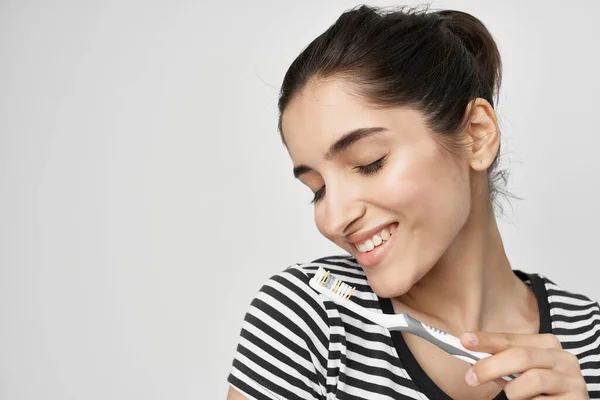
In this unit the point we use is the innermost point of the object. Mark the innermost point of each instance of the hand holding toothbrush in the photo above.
(533, 365)
(546, 370)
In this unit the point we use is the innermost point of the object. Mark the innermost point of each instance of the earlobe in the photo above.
(482, 128)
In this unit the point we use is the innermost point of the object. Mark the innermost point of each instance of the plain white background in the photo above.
(145, 195)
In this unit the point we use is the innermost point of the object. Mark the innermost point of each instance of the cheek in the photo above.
(405, 189)
(428, 191)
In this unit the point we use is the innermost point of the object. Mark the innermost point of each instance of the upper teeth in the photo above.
(376, 240)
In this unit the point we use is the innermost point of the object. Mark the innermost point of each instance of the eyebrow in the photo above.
(342, 144)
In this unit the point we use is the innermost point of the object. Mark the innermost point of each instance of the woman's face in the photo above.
(386, 191)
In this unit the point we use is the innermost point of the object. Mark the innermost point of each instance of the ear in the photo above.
(482, 128)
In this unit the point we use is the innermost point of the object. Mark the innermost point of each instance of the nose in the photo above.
(342, 208)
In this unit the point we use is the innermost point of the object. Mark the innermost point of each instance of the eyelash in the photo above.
(371, 168)
(362, 169)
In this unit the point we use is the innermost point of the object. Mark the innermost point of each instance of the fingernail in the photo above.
(471, 378)
(472, 338)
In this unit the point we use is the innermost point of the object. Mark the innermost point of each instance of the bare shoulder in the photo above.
(234, 394)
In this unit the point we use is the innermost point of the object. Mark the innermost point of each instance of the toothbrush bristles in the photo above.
(333, 284)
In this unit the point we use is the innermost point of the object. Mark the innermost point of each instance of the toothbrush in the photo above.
(339, 292)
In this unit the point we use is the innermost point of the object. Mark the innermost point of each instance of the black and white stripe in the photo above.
(296, 344)
(576, 323)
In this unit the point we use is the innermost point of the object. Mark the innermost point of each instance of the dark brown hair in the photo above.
(435, 62)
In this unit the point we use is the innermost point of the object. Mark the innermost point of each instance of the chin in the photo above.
(386, 286)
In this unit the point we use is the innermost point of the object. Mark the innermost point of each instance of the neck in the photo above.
(473, 287)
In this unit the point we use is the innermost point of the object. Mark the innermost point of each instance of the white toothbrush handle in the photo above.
(450, 344)
(404, 323)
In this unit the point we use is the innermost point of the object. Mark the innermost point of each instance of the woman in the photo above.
(389, 119)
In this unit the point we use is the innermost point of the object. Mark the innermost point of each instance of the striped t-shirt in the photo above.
(297, 344)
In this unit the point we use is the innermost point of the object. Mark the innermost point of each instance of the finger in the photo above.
(536, 382)
(500, 382)
(491, 342)
(516, 361)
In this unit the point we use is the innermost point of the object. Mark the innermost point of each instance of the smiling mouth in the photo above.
(377, 240)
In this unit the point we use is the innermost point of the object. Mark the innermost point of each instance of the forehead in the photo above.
(321, 113)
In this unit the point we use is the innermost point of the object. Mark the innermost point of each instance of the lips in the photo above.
(376, 240)
(374, 257)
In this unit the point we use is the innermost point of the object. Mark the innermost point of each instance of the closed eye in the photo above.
(363, 169)
(318, 194)
(371, 168)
